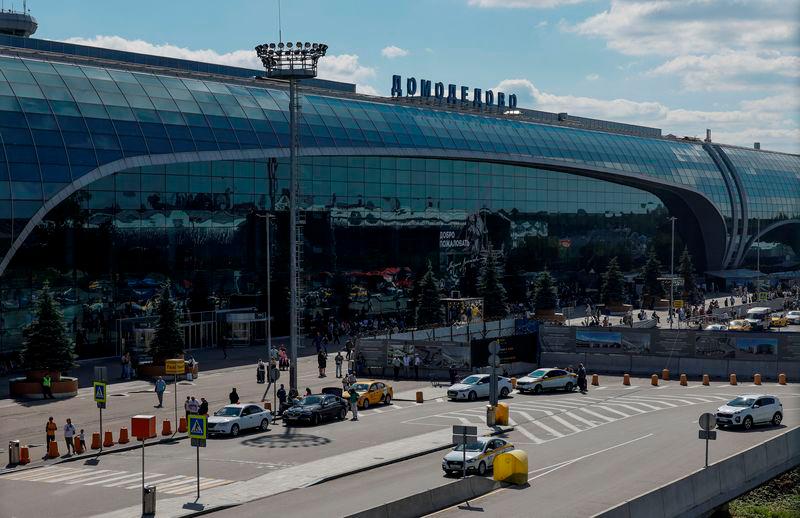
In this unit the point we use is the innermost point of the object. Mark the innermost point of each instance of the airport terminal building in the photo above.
(119, 171)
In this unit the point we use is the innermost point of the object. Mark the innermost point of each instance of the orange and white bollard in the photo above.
(166, 428)
(654, 380)
(76, 445)
(626, 379)
(52, 450)
(757, 379)
(684, 381)
(665, 374)
(95, 440)
(782, 379)
(595, 380)
(108, 440)
(123, 436)
(182, 425)
(706, 380)
(733, 379)
(420, 397)
(24, 455)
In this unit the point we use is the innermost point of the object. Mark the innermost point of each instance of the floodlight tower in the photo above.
(292, 62)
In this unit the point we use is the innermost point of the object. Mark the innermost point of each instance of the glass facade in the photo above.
(117, 179)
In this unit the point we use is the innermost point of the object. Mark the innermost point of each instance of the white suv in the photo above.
(750, 409)
(793, 317)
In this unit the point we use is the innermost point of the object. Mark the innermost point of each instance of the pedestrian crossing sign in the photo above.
(198, 426)
(100, 392)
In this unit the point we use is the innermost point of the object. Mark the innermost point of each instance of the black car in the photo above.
(315, 409)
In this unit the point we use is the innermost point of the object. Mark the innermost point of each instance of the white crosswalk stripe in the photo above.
(566, 423)
(598, 415)
(524, 431)
(173, 484)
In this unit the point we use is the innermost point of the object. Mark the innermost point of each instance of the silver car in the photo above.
(480, 456)
(750, 409)
(232, 419)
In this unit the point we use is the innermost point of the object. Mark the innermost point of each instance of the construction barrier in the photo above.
(95, 440)
(76, 445)
(52, 450)
(626, 379)
(733, 379)
(123, 436)
(108, 439)
(654, 380)
(782, 379)
(24, 455)
(182, 425)
(757, 379)
(501, 414)
(595, 380)
(512, 467)
(684, 381)
(420, 399)
(665, 374)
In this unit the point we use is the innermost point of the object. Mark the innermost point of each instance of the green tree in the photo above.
(45, 341)
(491, 288)
(653, 290)
(468, 281)
(168, 339)
(690, 293)
(429, 309)
(516, 287)
(544, 294)
(612, 291)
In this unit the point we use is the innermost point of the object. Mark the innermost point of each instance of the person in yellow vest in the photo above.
(47, 386)
(50, 429)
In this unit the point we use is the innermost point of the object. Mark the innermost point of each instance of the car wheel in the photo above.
(777, 418)
(748, 423)
(314, 419)
(472, 395)
(482, 468)
(387, 400)
(537, 389)
(504, 392)
(365, 404)
(342, 414)
(235, 430)
(264, 425)
(568, 386)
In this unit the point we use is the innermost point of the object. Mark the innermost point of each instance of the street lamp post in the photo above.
(292, 62)
(672, 274)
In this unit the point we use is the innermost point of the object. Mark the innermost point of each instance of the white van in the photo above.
(759, 318)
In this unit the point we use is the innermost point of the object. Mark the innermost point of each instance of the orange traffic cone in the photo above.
(182, 425)
(95, 440)
(76, 445)
(24, 455)
(108, 440)
(166, 429)
(123, 436)
(52, 450)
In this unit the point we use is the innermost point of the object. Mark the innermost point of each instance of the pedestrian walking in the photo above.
(50, 430)
(453, 373)
(406, 364)
(82, 438)
(417, 363)
(396, 364)
(186, 407)
(161, 386)
(69, 433)
(348, 346)
(203, 410)
(261, 370)
(233, 397)
(354, 403)
(47, 386)
(338, 360)
(281, 398)
(321, 362)
(194, 406)
(582, 378)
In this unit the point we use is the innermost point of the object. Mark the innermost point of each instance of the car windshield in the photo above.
(473, 446)
(471, 380)
(537, 373)
(228, 411)
(310, 400)
(742, 401)
(361, 387)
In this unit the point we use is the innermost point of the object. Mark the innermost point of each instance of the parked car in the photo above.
(547, 379)
(793, 317)
(715, 327)
(480, 456)
(750, 409)
(372, 393)
(477, 385)
(232, 419)
(315, 409)
(739, 325)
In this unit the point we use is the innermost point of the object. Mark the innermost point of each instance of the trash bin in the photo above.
(13, 452)
(149, 504)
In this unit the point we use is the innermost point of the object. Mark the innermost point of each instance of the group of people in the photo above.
(69, 435)
(406, 362)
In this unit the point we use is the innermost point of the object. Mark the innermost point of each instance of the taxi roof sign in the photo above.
(175, 366)
(198, 426)
(100, 392)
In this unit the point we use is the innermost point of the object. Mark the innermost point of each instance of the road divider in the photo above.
(511, 467)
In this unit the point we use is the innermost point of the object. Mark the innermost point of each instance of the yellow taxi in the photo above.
(371, 393)
(779, 321)
(739, 325)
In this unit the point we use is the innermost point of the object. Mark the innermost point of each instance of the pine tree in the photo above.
(653, 289)
(45, 341)
(690, 293)
(613, 287)
(516, 287)
(468, 282)
(168, 340)
(491, 289)
(428, 304)
(544, 295)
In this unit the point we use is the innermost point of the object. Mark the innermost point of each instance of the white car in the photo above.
(547, 379)
(750, 409)
(480, 456)
(232, 419)
(477, 385)
(793, 317)
(715, 327)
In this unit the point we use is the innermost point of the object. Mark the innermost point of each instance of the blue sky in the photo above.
(681, 65)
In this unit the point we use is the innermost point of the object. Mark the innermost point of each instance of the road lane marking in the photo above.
(652, 400)
(156, 480)
(121, 481)
(100, 473)
(607, 409)
(547, 429)
(599, 416)
(588, 423)
(525, 432)
(646, 405)
(567, 424)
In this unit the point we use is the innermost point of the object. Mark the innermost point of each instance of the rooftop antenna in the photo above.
(280, 25)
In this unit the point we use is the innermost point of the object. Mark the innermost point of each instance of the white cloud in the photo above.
(767, 120)
(541, 25)
(521, 4)
(593, 77)
(393, 51)
(341, 67)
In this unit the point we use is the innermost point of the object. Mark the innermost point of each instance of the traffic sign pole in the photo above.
(708, 422)
(100, 390)
(175, 390)
(197, 448)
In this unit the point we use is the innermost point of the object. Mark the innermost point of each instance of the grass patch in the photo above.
(778, 498)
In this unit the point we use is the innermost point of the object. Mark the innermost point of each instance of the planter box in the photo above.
(150, 371)
(38, 375)
(24, 388)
